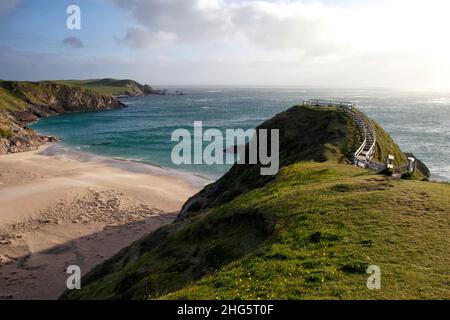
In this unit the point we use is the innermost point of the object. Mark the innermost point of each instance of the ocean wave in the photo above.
(441, 101)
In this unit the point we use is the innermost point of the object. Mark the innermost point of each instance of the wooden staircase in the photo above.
(363, 157)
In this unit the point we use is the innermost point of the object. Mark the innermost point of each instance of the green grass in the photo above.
(21, 95)
(28, 100)
(105, 86)
(10, 102)
(386, 146)
(306, 134)
(6, 133)
(308, 233)
(331, 230)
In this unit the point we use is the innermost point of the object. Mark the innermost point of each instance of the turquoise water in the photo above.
(418, 121)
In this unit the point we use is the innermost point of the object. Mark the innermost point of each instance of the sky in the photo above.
(341, 43)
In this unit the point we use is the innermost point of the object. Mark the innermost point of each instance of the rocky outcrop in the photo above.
(136, 89)
(22, 139)
(148, 90)
(25, 102)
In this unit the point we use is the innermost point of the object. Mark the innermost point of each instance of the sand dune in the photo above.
(60, 207)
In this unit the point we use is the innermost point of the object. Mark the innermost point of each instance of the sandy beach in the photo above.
(59, 207)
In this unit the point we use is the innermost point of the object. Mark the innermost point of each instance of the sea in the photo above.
(418, 120)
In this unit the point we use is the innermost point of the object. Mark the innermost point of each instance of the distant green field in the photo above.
(15, 99)
(105, 86)
(34, 97)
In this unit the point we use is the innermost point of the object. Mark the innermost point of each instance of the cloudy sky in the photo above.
(344, 43)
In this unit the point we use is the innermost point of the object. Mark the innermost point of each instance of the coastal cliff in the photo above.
(309, 232)
(24, 102)
(117, 87)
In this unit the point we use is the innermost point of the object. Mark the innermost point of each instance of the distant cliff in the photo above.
(116, 87)
(25, 102)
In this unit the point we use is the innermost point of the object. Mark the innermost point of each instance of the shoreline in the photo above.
(58, 148)
(61, 207)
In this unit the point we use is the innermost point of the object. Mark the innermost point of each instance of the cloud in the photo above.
(184, 20)
(356, 72)
(311, 27)
(338, 41)
(73, 42)
(272, 25)
(7, 6)
(140, 38)
(267, 42)
(288, 25)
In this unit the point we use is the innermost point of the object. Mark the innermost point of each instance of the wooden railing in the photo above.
(361, 149)
(368, 131)
(371, 152)
(363, 124)
(327, 103)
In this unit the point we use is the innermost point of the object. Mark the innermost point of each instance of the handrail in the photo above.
(318, 102)
(371, 150)
(361, 149)
(363, 124)
(364, 131)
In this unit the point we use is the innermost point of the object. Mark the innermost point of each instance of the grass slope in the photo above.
(21, 95)
(332, 222)
(306, 134)
(309, 233)
(386, 146)
(106, 86)
(10, 102)
(24, 102)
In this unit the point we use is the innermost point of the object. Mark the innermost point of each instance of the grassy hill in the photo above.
(310, 232)
(110, 86)
(24, 102)
(10, 102)
(23, 95)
